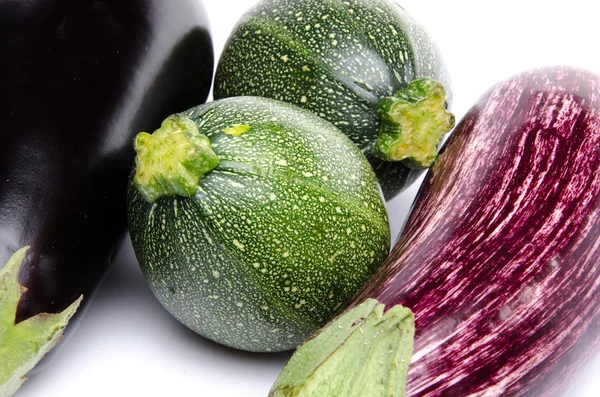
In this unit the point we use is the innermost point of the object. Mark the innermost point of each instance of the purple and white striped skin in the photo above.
(500, 258)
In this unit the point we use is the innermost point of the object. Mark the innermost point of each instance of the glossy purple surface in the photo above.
(500, 258)
(78, 79)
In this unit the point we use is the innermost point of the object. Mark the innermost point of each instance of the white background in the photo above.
(127, 345)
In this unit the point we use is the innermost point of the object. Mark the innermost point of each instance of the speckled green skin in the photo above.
(335, 58)
(277, 237)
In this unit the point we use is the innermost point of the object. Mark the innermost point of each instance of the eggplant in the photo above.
(78, 80)
(499, 258)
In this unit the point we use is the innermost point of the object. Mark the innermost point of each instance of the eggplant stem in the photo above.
(363, 352)
(24, 344)
(413, 122)
(172, 160)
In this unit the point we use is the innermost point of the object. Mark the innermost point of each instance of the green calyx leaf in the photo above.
(23, 345)
(363, 352)
(172, 160)
(413, 122)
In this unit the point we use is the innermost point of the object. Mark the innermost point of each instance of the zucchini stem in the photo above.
(24, 344)
(413, 122)
(363, 352)
(172, 160)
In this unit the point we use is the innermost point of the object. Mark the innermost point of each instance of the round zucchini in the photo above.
(363, 65)
(254, 220)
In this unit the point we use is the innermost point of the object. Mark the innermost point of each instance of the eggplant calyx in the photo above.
(172, 160)
(413, 122)
(24, 344)
(363, 352)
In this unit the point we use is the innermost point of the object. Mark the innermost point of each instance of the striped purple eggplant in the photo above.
(500, 258)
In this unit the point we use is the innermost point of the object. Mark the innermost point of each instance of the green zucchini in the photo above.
(254, 221)
(363, 65)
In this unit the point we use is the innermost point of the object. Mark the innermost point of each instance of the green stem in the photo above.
(24, 344)
(413, 122)
(363, 352)
(172, 160)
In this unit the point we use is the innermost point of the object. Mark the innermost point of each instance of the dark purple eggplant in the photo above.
(78, 79)
(500, 258)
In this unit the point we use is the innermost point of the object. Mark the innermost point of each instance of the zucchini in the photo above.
(254, 221)
(363, 65)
